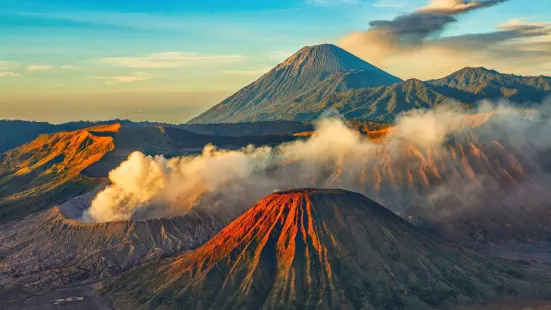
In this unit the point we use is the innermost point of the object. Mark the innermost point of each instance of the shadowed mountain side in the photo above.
(47, 250)
(321, 249)
(382, 103)
(325, 67)
(471, 84)
(14, 133)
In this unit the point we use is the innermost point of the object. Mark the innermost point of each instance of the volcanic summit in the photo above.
(314, 72)
(320, 249)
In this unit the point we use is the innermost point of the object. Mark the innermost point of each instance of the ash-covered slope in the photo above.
(48, 250)
(323, 69)
(319, 249)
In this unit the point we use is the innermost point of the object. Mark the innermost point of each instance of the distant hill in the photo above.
(14, 133)
(471, 84)
(321, 249)
(381, 103)
(314, 70)
(55, 167)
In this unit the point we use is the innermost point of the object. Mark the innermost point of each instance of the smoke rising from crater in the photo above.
(438, 164)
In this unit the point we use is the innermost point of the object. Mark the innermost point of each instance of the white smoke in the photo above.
(431, 159)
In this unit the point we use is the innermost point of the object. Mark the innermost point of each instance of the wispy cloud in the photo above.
(39, 68)
(6, 65)
(412, 44)
(69, 67)
(452, 7)
(8, 74)
(250, 72)
(131, 78)
(173, 60)
(388, 4)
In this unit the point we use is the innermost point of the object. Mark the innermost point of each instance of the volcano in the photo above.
(314, 71)
(320, 249)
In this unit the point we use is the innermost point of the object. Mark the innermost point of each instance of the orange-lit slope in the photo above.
(48, 170)
(316, 249)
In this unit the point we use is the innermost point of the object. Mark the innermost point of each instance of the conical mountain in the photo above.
(277, 90)
(320, 249)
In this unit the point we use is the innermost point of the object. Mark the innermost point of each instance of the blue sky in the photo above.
(59, 57)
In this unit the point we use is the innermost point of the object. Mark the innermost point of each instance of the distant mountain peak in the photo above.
(326, 58)
(477, 69)
(414, 82)
(309, 75)
(475, 83)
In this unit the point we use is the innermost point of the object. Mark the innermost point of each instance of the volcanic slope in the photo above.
(320, 249)
(325, 77)
(56, 167)
(48, 170)
(49, 250)
(385, 102)
(315, 70)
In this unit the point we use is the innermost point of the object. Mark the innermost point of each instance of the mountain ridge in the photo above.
(357, 89)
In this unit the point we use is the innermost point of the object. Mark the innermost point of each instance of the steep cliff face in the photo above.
(309, 248)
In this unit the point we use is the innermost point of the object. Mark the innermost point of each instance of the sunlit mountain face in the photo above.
(49, 169)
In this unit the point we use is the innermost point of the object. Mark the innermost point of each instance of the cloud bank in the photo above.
(167, 60)
(410, 45)
(39, 68)
(131, 78)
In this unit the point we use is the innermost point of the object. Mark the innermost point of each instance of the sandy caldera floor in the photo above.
(44, 302)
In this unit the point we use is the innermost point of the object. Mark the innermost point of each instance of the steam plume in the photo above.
(439, 164)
